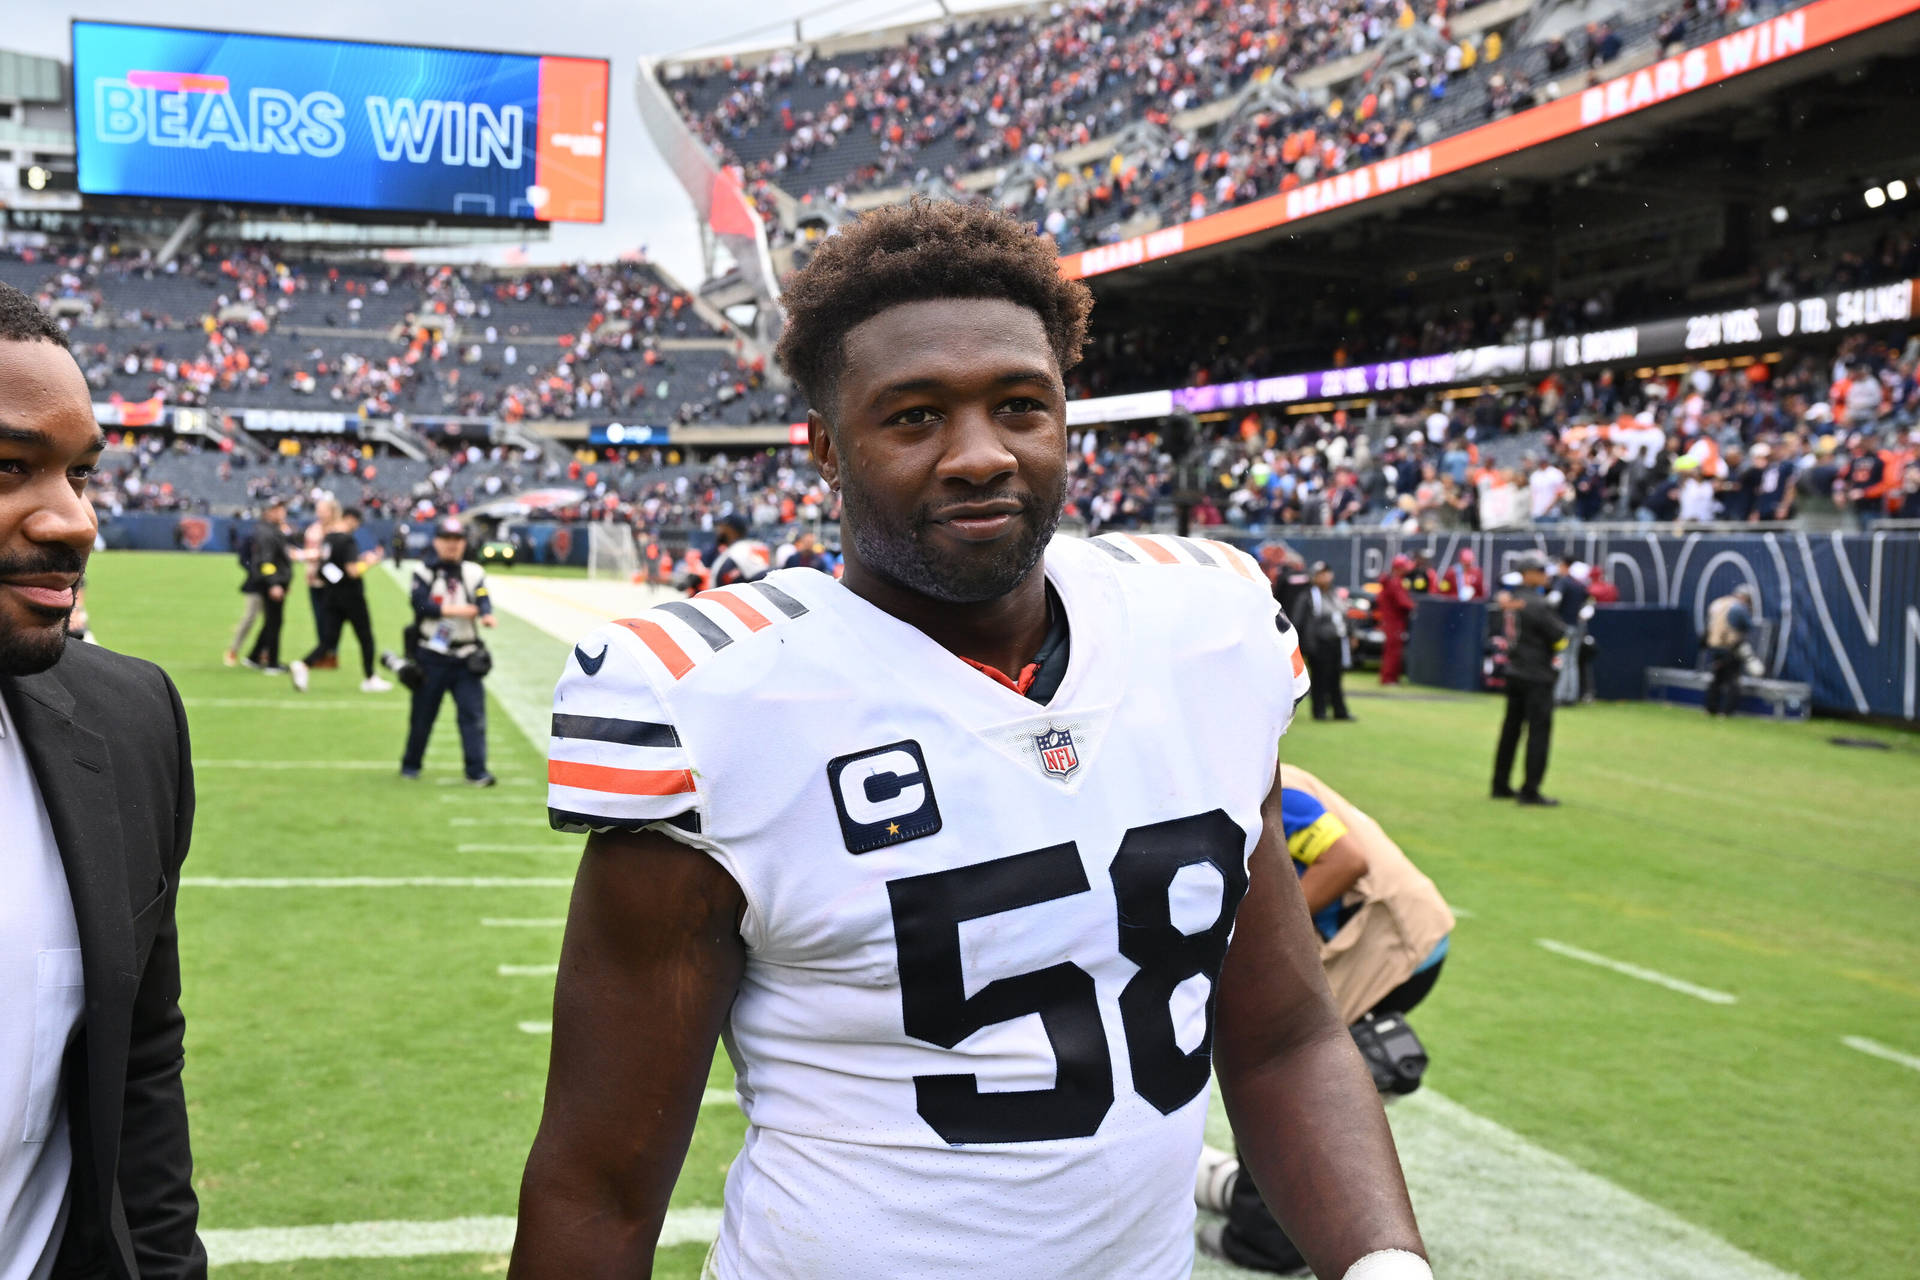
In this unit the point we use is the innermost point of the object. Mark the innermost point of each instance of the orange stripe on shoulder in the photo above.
(1299, 663)
(621, 782)
(739, 608)
(654, 636)
(1153, 549)
(1235, 557)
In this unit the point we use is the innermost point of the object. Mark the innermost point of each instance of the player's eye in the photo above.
(1024, 404)
(919, 416)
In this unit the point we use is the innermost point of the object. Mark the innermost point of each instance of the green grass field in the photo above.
(356, 1055)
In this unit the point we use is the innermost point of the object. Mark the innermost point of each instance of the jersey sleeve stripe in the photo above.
(697, 620)
(1198, 551)
(620, 782)
(627, 733)
(780, 599)
(739, 608)
(1115, 552)
(568, 820)
(1153, 549)
(1236, 558)
(671, 655)
(1299, 663)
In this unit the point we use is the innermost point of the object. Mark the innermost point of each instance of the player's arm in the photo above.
(648, 972)
(1337, 869)
(1309, 1123)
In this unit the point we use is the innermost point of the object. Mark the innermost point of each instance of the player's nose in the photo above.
(977, 452)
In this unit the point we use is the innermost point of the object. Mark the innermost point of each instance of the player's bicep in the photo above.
(1273, 992)
(648, 971)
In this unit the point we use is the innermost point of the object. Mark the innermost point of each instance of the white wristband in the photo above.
(1390, 1264)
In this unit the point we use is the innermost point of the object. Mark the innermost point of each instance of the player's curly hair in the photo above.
(914, 252)
(22, 320)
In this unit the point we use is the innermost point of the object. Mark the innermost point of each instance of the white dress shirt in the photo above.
(41, 998)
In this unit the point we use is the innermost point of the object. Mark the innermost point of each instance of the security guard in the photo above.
(1536, 638)
(450, 605)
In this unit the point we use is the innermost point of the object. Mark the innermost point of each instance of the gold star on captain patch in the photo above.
(893, 828)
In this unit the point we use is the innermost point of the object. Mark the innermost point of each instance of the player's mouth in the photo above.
(979, 521)
(44, 592)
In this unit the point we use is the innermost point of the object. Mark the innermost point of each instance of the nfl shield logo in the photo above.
(1057, 755)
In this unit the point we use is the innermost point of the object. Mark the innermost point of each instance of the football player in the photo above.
(974, 858)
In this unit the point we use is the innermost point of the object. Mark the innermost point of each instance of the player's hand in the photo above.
(278, 593)
(488, 620)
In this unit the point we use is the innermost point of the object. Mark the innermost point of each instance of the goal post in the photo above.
(611, 552)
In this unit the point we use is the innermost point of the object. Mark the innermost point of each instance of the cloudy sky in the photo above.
(645, 205)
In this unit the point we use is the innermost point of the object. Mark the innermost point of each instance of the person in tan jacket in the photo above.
(1384, 931)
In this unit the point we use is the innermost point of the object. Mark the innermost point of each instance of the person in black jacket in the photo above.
(1536, 636)
(269, 575)
(96, 811)
(450, 605)
(1323, 642)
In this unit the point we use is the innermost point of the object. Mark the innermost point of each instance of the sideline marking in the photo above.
(391, 766)
(377, 882)
(1878, 1050)
(1461, 913)
(410, 1239)
(514, 848)
(529, 971)
(1635, 971)
(537, 1028)
(504, 820)
(496, 922)
(482, 797)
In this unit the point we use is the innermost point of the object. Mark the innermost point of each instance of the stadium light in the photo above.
(1897, 189)
(1779, 213)
(1875, 197)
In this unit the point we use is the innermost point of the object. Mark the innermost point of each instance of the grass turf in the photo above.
(354, 1054)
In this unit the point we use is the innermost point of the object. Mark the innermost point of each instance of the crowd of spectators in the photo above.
(1029, 92)
(240, 326)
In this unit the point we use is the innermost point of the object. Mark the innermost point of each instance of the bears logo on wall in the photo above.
(194, 532)
(562, 544)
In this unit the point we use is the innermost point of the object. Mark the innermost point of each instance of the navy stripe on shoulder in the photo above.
(581, 823)
(1198, 552)
(1113, 551)
(628, 733)
(703, 626)
(780, 599)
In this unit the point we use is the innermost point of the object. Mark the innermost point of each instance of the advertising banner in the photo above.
(1811, 26)
(184, 114)
(1841, 610)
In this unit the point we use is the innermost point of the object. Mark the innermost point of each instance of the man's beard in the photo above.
(908, 556)
(29, 650)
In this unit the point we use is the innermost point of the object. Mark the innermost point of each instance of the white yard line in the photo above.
(496, 922)
(377, 882)
(1878, 1050)
(410, 1239)
(503, 820)
(370, 703)
(529, 970)
(390, 766)
(556, 847)
(1635, 971)
(537, 1028)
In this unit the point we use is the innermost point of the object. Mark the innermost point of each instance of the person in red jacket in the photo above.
(1393, 606)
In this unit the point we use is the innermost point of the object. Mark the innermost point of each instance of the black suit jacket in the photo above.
(106, 738)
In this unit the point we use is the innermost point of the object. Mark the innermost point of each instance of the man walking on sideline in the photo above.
(450, 605)
(96, 811)
(269, 576)
(1535, 639)
(313, 552)
(1729, 619)
(341, 569)
(1323, 631)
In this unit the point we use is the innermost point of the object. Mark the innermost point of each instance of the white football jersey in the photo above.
(974, 1035)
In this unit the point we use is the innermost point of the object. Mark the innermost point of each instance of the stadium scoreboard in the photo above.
(178, 113)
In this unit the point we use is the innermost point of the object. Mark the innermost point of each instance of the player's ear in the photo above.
(820, 444)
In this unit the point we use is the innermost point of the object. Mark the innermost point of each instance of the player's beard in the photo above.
(31, 648)
(907, 554)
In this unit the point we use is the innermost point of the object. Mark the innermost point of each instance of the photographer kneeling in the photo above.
(1384, 932)
(450, 605)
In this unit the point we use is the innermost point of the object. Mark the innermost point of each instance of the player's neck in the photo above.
(1002, 633)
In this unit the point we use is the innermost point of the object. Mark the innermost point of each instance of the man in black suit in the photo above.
(1323, 642)
(96, 807)
(1536, 639)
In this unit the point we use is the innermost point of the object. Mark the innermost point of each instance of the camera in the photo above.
(405, 670)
